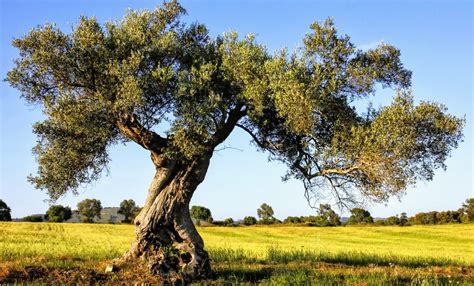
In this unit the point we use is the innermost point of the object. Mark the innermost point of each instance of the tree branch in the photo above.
(254, 137)
(225, 129)
(131, 128)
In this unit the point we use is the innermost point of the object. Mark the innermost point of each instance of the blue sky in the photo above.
(436, 41)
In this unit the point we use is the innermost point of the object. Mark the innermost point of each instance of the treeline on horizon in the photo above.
(89, 211)
(325, 216)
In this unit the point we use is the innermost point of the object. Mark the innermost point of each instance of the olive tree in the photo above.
(128, 209)
(360, 216)
(403, 219)
(179, 93)
(201, 213)
(89, 209)
(265, 214)
(328, 216)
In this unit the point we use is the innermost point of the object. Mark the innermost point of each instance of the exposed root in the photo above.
(180, 262)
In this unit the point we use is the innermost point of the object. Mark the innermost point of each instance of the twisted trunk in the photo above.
(165, 235)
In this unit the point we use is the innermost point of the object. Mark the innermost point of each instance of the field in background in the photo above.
(274, 254)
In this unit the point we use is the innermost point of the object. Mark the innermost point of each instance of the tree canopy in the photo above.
(129, 209)
(58, 213)
(178, 92)
(360, 216)
(265, 213)
(5, 212)
(201, 213)
(249, 220)
(468, 209)
(89, 209)
(328, 215)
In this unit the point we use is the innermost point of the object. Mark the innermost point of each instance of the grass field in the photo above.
(417, 255)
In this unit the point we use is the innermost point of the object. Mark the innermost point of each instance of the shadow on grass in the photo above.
(277, 255)
(231, 274)
(275, 276)
(243, 275)
(283, 276)
(47, 275)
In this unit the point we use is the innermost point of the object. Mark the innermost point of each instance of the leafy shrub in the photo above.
(249, 220)
(58, 213)
(33, 218)
(229, 222)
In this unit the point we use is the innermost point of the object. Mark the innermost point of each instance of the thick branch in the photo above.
(135, 131)
(297, 163)
(225, 129)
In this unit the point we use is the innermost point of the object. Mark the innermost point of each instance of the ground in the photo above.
(417, 255)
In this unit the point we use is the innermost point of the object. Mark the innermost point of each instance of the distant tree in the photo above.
(310, 220)
(413, 220)
(431, 217)
(448, 217)
(360, 216)
(33, 218)
(229, 222)
(417, 218)
(443, 217)
(456, 216)
(320, 221)
(425, 218)
(201, 213)
(89, 209)
(380, 222)
(328, 216)
(393, 220)
(58, 213)
(403, 219)
(5, 212)
(435, 217)
(468, 210)
(249, 220)
(292, 220)
(265, 213)
(128, 209)
(313, 220)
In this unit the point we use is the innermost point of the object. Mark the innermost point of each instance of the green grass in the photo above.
(274, 255)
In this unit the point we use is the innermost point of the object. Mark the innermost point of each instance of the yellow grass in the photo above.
(443, 242)
(79, 244)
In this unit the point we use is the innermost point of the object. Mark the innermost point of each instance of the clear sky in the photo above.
(435, 38)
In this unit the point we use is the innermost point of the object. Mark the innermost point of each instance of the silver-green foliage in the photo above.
(126, 80)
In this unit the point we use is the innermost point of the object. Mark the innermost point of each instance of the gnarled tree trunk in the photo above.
(165, 235)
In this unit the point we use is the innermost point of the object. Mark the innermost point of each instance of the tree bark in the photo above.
(166, 238)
